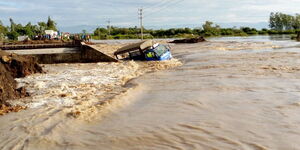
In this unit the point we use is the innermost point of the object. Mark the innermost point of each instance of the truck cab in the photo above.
(145, 50)
(158, 53)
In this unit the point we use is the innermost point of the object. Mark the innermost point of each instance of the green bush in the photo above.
(12, 35)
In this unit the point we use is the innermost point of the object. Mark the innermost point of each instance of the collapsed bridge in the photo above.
(61, 52)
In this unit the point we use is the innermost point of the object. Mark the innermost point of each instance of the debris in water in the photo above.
(191, 40)
(4, 109)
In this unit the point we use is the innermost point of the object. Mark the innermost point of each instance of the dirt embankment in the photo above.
(14, 66)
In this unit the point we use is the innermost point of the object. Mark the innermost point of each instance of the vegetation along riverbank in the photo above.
(279, 23)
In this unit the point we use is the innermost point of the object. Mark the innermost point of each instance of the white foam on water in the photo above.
(63, 84)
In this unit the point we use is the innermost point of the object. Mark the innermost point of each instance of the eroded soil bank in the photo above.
(14, 66)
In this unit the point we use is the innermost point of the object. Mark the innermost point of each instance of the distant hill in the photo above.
(258, 25)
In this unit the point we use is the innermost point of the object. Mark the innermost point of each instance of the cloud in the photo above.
(157, 12)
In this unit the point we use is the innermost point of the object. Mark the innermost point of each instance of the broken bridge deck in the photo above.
(52, 53)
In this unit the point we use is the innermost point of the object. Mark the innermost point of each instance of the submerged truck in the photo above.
(145, 50)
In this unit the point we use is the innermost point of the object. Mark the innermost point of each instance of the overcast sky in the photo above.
(158, 13)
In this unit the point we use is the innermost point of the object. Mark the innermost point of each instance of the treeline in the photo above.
(279, 23)
(208, 29)
(14, 30)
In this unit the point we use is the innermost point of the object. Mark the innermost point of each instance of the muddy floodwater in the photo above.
(240, 93)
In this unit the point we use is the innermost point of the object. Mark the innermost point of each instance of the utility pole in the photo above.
(109, 27)
(140, 12)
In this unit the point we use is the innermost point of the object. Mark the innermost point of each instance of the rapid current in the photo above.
(240, 93)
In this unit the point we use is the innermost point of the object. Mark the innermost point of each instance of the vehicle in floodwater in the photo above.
(145, 50)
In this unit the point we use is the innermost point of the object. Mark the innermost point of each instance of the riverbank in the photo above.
(14, 66)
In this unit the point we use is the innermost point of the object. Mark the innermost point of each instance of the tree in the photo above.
(170, 32)
(42, 27)
(100, 31)
(287, 21)
(210, 30)
(29, 30)
(296, 21)
(279, 21)
(249, 31)
(3, 31)
(188, 31)
(13, 35)
(12, 24)
(51, 25)
(197, 31)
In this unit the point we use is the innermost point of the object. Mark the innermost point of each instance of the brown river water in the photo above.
(229, 93)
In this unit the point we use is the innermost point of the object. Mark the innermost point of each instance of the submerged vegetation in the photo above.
(279, 23)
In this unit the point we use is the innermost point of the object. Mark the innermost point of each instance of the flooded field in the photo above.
(229, 93)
